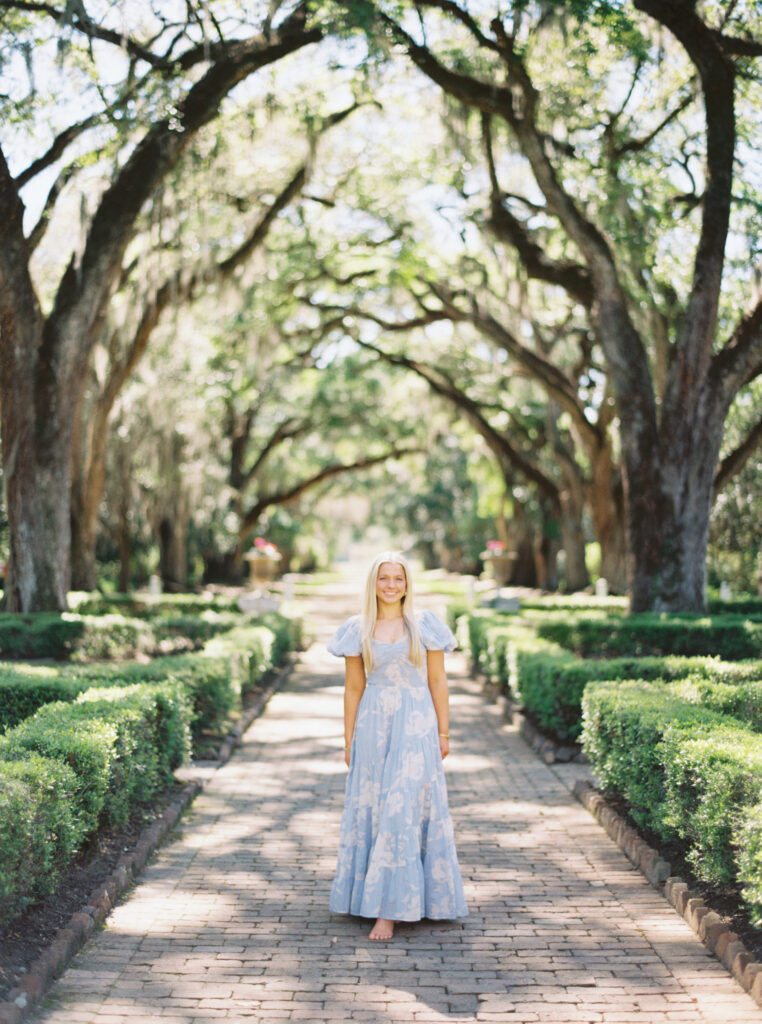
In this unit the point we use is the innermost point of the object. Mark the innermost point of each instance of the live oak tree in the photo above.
(293, 419)
(675, 359)
(213, 212)
(388, 281)
(44, 354)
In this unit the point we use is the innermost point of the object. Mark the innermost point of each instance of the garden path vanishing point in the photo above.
(230, 920)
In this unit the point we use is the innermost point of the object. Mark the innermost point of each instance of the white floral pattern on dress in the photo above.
(397, 855)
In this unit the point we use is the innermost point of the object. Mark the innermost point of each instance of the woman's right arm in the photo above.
(354, 687)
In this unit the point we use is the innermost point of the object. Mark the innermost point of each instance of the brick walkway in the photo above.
(230, 921)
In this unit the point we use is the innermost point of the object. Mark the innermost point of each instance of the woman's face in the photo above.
(391, 583)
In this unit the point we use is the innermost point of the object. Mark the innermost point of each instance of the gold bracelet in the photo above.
(445, 735)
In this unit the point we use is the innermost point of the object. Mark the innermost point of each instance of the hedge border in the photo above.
(709, 926)
(41, 974)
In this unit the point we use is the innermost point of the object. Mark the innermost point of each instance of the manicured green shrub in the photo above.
(748, 606)
(22, 691)
(712, 780)
(165, 712)
(212, 684)
(624, 724)
(38, 831)
(287, 630)
(87, 744)
(71, 767)
(82, 638)
(149, 606)
(106, 749)
(212, 679)
(111, 637)
(550, 682)
(688, 773)
(47, 635)
(121, 743)
(39, 635)
(748, 841)
(92, 757)
(248, 649)
(483, 627)
(584, 603)
(741, 700)
(731, 638)
(192, 630)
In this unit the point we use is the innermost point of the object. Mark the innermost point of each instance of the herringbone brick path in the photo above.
(230, 921)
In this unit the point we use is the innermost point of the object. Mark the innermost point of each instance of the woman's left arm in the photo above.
(440, 694)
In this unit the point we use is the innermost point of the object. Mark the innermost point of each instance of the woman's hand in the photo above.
(347, 755)
(444, 746)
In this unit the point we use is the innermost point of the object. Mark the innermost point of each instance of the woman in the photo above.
(397, 859)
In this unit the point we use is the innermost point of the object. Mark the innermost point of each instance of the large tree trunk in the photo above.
(546, 548)
(521, 540)
(573, 544)
(572, 499)
(36, 482)
(88, 473)
(37, 421)
(606, 502)
(669, 545)
(84, 575)
(43, 363)
(225, 567)
(124, 543)
(173, 551)
(669, 447)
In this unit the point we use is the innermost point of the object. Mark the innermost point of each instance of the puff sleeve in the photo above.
(435, 635)
(347, 640)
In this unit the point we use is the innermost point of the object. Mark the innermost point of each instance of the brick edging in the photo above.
(715, 934)
(68, 941)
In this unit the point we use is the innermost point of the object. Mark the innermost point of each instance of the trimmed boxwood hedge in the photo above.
(749, 844)
(93, 638)
(624, 723)
(689, 774)
(550, 682)
(147, 605)
(90, 759)
(79, 765)
(23, 690)
(232, 662)
(38, 831)
(749, 606)
(741, 700)
(730, 637)
(122, 744)
(677, 737)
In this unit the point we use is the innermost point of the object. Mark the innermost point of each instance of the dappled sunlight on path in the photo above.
(231, 919)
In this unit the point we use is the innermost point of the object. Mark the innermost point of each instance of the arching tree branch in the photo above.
(291, 492)
(504, 450)
(734, 461)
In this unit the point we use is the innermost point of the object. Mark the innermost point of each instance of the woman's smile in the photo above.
(391, 583)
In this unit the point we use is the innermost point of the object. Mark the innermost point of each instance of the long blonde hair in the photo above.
(370, 610)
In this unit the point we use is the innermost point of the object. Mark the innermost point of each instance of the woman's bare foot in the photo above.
(382, 930)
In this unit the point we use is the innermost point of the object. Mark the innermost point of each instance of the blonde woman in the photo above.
(397, 859)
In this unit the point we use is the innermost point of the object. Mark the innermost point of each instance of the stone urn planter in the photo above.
(500, 564)
(264, 562)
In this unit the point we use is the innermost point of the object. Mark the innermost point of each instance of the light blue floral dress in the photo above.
(397, 856)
